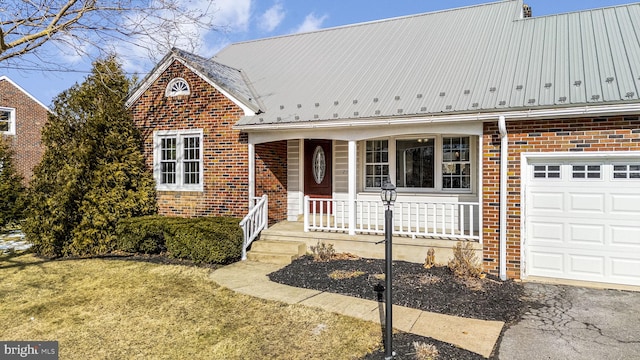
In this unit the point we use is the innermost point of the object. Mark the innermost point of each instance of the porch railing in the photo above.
(256, 220)
(451, 220)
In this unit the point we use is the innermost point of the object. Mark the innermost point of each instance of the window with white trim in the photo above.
(626, 171)
(178, 160)
(376, 163)
(546, 171)
(456, 163)
(424, 164)
(7, 121)
(177, 87)
(586, 171)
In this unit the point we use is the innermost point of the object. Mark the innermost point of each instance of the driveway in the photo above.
(575, 323)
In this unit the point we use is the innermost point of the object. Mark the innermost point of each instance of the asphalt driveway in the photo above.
(575, 323)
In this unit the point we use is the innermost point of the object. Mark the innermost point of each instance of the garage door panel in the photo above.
(542, 232)
(626, 269)
(625, 236)
(547, 201)
(592, 265)
(586, 203)
(547, 262)
(627, 204)
(586, 234)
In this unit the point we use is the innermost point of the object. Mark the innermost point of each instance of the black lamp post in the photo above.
(388, 196)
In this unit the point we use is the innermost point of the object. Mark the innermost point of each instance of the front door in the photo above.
(317, 171)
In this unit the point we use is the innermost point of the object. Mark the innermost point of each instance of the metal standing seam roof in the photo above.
(482, 58)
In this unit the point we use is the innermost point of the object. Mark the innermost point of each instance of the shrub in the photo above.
(425, 351)
(12, 191)
(202, 240)
(465, 263)
(322, 251)
(205, 240)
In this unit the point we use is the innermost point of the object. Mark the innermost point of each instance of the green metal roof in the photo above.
(483, 58)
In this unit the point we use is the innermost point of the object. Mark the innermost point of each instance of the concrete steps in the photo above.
(276, 251)
(369, 246)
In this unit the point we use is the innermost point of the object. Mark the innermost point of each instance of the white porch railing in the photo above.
(451, 220)
(256, 220)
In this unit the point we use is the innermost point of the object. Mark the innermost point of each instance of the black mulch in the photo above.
(435, 289)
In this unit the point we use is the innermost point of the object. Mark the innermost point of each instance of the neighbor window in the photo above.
(178, 160)
(7, 121)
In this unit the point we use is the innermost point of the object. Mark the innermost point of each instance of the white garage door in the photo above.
(582, 219)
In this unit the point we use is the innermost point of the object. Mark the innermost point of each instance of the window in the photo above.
(177, 87)
(586, 171)
(627, 171)
(456, 163)
(178, 160)
(376, 163)
(546, 171)
(415, 163)
(427, 163)
(7, 121)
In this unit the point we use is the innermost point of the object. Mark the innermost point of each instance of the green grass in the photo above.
(115, 309)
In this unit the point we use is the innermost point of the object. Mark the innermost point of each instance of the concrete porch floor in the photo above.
(369, 246)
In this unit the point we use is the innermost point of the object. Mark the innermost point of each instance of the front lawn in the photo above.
(117, 309)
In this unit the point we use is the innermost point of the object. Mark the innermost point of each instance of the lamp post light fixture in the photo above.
(388, 196)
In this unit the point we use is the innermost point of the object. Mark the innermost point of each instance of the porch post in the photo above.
(252, 174)
(352, 187)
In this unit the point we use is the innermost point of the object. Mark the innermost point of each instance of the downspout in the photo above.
(504, 159)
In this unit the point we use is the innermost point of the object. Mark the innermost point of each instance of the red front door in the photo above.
(317, 171)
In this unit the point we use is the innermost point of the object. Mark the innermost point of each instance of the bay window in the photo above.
(178, 160)
(426, 163)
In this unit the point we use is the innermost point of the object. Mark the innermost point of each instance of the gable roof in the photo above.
(471, 60)
(6, 78)
(226, 79)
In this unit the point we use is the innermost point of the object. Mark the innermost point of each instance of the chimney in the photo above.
(526, 11)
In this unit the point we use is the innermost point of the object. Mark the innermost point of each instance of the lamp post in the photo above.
(388, 196)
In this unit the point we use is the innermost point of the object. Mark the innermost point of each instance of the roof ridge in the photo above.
(372, 22)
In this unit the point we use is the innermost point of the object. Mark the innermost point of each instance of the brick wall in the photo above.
(225, 150)
(271, 177)
(567, 135)
(30, 118)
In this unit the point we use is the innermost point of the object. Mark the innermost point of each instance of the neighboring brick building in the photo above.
(520, 134)
(21, 120)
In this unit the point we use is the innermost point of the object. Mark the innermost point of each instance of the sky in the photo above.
(243, 20)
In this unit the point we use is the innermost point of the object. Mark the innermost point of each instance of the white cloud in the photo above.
(272, 17)
(232, 14)
(311, 23)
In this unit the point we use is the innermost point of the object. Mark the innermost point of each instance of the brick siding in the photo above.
(566, 135)
(30, 118)
(225, 150)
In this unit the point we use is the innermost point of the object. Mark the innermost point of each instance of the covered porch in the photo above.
(334, 178)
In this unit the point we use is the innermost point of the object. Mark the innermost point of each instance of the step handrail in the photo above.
(256, 220)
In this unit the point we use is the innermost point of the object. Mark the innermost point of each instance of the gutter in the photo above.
(504, 159)
(565, 112)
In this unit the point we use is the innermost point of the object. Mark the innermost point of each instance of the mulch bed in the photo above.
(436, 289)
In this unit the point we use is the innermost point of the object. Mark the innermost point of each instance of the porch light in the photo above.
(388, 195)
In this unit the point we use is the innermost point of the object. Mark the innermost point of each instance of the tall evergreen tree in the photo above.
(92, 173)
(11, 188)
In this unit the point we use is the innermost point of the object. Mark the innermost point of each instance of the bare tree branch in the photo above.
(95, 27)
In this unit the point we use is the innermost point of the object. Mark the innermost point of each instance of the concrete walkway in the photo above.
(250, 278)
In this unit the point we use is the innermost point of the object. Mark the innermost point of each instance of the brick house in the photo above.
(519, 134)
(21, 120)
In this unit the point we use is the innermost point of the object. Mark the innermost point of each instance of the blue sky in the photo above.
(242, 20)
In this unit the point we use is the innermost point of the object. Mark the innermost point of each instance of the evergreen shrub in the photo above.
(201, 240)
